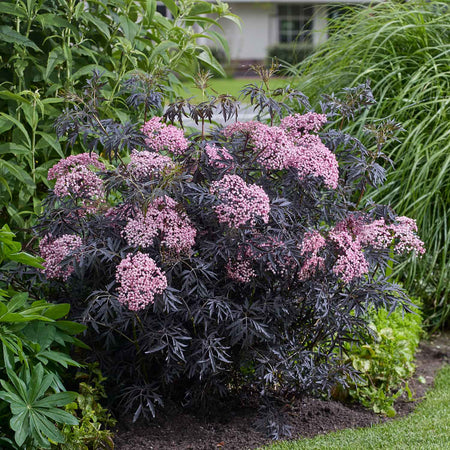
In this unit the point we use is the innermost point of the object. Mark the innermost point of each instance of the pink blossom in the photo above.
(65, 165)
(406, 239)
(217, 156)
(271, 145)
(140, 279)
(241, 203)
(145, 164)
(312, 243)
(311, 157)
(161, 218)
(54, 251)
(80, 182)
(240, 270)
(240, 128)
(164, 137)
(351, 263)
(375, 234)
(298, 125)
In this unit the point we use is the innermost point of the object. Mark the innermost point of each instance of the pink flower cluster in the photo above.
(144, 164)
(164, 137)
(379, 235)
(241, 203)
(175, 228)
(217, 156)
(54, 251)
(351, 263)
(272, 146)
(298, 125)
(312, 243)
(140, 280)
(74, 176)
(240, 270)
(352, 236)
(405, 235)
(240, 128)
(291, 145)
(67, 164)
(311, 157)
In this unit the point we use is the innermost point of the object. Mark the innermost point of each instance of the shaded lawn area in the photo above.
(231, 86)
(428, 427)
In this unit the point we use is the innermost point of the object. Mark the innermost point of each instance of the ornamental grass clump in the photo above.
(244, 258)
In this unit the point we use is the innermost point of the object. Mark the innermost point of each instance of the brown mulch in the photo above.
(234, 428)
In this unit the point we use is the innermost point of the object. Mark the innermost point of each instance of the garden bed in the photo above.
(233, 428)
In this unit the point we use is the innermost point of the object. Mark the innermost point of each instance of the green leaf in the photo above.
(54, 20)
(60, 358)
(47, 428)
(7, 95)
(7, 34)
(55, 57)
(150, 7)
(14, 10)
(58, 399)
(162, 48)
(18, 124)
(212, 62)
(71, 328)
(27, 259)
(57, 311)
(17, 172)
(173, 8)
(15, 149)
(19, 424)
(60, 416)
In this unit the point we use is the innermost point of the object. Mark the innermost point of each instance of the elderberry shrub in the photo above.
(203, 264)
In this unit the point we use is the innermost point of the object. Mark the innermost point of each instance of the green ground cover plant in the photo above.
(403, 48)
(428, 427)
(50, 47)
(385, 362)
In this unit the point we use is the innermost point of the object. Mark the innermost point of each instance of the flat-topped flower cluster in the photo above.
(236, 249)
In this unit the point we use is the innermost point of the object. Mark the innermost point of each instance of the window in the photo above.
(295, 22)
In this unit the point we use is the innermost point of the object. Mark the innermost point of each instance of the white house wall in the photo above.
(260, 28)
(257, 32)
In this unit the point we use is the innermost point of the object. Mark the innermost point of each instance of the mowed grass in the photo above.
(230, 86)
(428, 427)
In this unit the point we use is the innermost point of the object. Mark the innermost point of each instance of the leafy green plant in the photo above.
(92, 432)
(50, 47)
(403, 49)
(34, 354)
(385, 362)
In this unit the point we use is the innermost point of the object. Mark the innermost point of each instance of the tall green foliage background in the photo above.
(48, 47)
(404, 49)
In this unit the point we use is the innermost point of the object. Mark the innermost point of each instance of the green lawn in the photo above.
(428, 427)
(230, 86)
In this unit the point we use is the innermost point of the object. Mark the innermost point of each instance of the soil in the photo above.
(234, 428)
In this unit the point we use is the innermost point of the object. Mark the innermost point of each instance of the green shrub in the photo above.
(403, 48)
(34, 354)
(50, 47)
(386, 361)
(291, 52)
